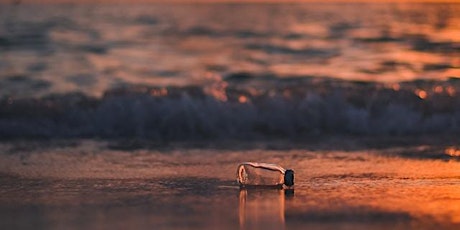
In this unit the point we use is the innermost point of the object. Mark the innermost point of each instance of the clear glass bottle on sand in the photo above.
(252, 174)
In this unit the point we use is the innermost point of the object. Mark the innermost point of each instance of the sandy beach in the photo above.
(85, 184)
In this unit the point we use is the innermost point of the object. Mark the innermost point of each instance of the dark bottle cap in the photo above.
(289, 177)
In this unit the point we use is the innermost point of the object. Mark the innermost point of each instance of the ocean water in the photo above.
(137, 116)
(185, 71)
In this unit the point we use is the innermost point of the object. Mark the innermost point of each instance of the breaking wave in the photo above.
(240, 107)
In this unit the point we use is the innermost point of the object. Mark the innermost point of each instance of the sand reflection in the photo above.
(262, 208)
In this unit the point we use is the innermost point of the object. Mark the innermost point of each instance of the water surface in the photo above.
(93, 48)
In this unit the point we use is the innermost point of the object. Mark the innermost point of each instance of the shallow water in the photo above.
(87, 184)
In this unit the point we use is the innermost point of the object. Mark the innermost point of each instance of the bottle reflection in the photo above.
(262, 208)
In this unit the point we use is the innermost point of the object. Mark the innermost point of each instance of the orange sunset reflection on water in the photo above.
(184, 44)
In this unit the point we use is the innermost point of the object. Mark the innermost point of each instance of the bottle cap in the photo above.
(289, 177)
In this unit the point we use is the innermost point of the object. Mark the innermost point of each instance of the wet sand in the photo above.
(92, 184)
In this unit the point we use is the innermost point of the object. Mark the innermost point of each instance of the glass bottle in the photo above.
(252, 174)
